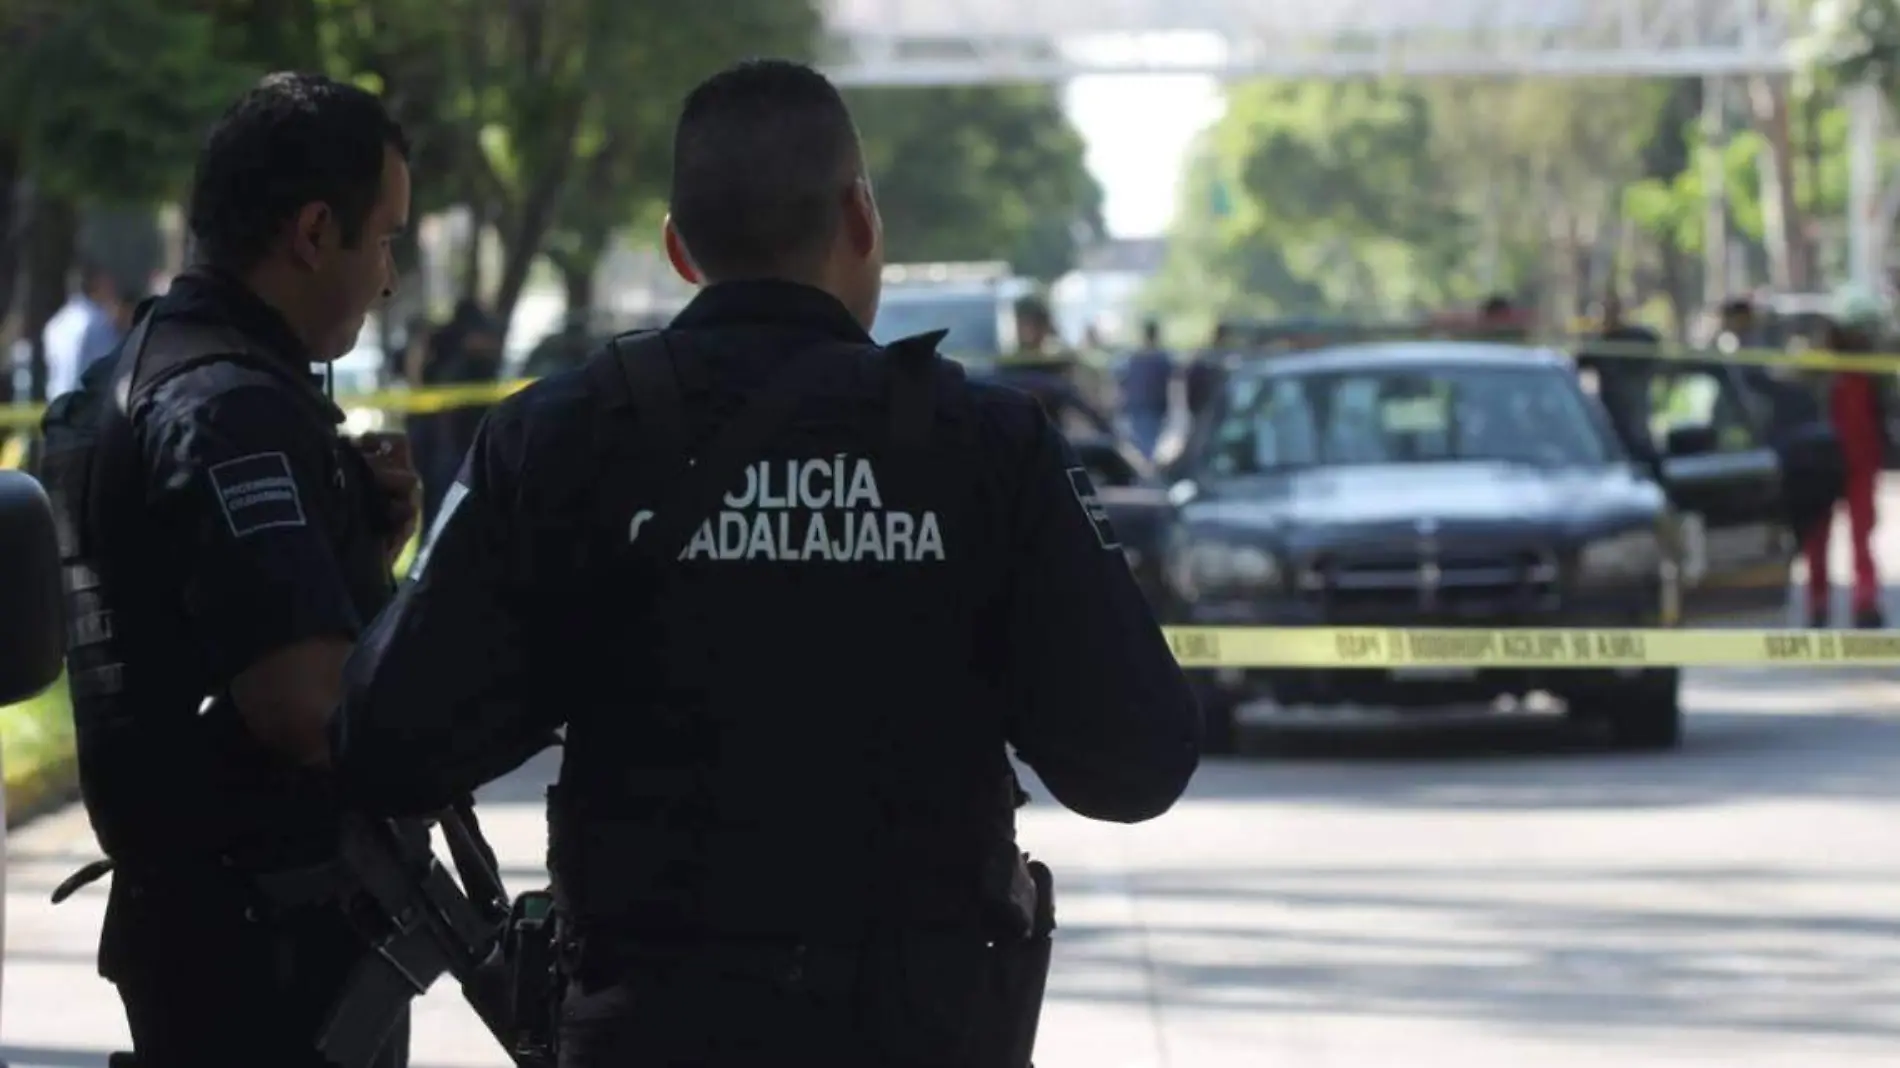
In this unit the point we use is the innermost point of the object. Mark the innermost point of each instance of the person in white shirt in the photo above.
(82, 331)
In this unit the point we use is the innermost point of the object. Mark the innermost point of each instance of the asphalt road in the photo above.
(1506, 895)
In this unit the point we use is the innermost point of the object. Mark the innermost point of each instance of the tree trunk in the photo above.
(1781, 211)
(9, 259)
(533, 218)
(1811, 136)
(1675, 285)
(50, 240)
(577, 281)
(1717, 235)
(471, 280)
(534, 210)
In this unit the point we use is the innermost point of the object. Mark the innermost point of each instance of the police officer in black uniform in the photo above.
(1043, 368)
(791, 596)
(222, 547)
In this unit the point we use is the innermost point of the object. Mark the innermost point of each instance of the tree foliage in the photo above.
(549, 123)
(978, 173)
(111, 96)
(1378, 199)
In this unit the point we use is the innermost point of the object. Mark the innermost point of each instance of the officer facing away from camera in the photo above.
(791, 595)
(222, 545)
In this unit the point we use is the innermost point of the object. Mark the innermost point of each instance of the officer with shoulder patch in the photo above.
(222, 545)
(792, 596)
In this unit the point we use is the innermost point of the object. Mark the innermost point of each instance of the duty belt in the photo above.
(283, 888)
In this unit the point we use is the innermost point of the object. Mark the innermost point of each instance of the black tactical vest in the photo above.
(149, 756)
(795, 726)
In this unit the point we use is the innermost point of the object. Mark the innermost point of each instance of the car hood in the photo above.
(1403, 494)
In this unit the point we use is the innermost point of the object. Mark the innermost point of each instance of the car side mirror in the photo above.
(33, 623)
(1690, 441)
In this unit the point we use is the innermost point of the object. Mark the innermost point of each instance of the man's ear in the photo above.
(311, 232)
(677, 255)
(864, 228)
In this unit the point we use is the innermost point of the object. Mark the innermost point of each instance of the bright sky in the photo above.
(1138, 129)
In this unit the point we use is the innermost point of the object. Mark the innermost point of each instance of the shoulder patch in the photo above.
(1092, 507)
(258, 493)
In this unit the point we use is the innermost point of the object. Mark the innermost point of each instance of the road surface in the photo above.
(1491, 898)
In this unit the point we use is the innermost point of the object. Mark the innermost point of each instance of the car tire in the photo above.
(1643, 714)
(1221, 726)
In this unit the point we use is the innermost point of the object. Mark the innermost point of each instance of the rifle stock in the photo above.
(425, 927)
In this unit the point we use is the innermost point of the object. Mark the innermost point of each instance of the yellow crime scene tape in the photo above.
(399, 401)
(432, 399)
(1538, 647)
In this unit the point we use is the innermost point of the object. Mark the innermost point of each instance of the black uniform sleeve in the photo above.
(245, 472)
(1104, 714)
(440, 695)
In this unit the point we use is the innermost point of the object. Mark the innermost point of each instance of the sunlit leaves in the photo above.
(978, 173)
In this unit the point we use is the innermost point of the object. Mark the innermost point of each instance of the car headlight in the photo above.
(1635, 552)
(1207, 567)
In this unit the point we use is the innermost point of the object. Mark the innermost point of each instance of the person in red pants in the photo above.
(1854, 409)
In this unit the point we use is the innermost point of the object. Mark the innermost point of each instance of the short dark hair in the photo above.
(1738, 306)
(1497, 304)
(1031, 309)
(762, 157)
(290, 140)
(1151, 332)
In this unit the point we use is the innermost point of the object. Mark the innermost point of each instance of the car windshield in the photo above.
(973, 319)
(1534, 415)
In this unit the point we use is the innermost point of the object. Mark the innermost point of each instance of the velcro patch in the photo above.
(1092, 507)
(258, 493)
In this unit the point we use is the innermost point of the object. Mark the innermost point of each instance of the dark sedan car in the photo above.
(1446, 483)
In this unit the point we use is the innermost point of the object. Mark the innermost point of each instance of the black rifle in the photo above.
(422, 925)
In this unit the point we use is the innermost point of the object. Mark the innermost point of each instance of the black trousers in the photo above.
(903, 1003)
(207, 986)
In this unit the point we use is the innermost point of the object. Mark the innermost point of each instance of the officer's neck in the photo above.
(835, 284)
(288, 295)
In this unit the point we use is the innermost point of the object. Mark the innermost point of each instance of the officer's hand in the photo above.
(395, 470)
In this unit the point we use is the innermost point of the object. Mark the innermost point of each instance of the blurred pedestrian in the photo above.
(1207, 372)
(1855, 409)
(1500, 320)
(84, 329)
(1147, 384)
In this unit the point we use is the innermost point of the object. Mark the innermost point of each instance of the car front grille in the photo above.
(1416, 587)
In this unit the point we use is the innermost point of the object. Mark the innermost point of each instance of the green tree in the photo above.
(549, 122)
(1313, 197)
(1373, 200)
(105, 102)
(978, 173)
(573, 105)
(623, 151)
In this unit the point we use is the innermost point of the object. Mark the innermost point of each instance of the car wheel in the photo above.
(1643, 714)
(1219, 706)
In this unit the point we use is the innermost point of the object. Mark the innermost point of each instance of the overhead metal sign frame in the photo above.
(969, 42)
